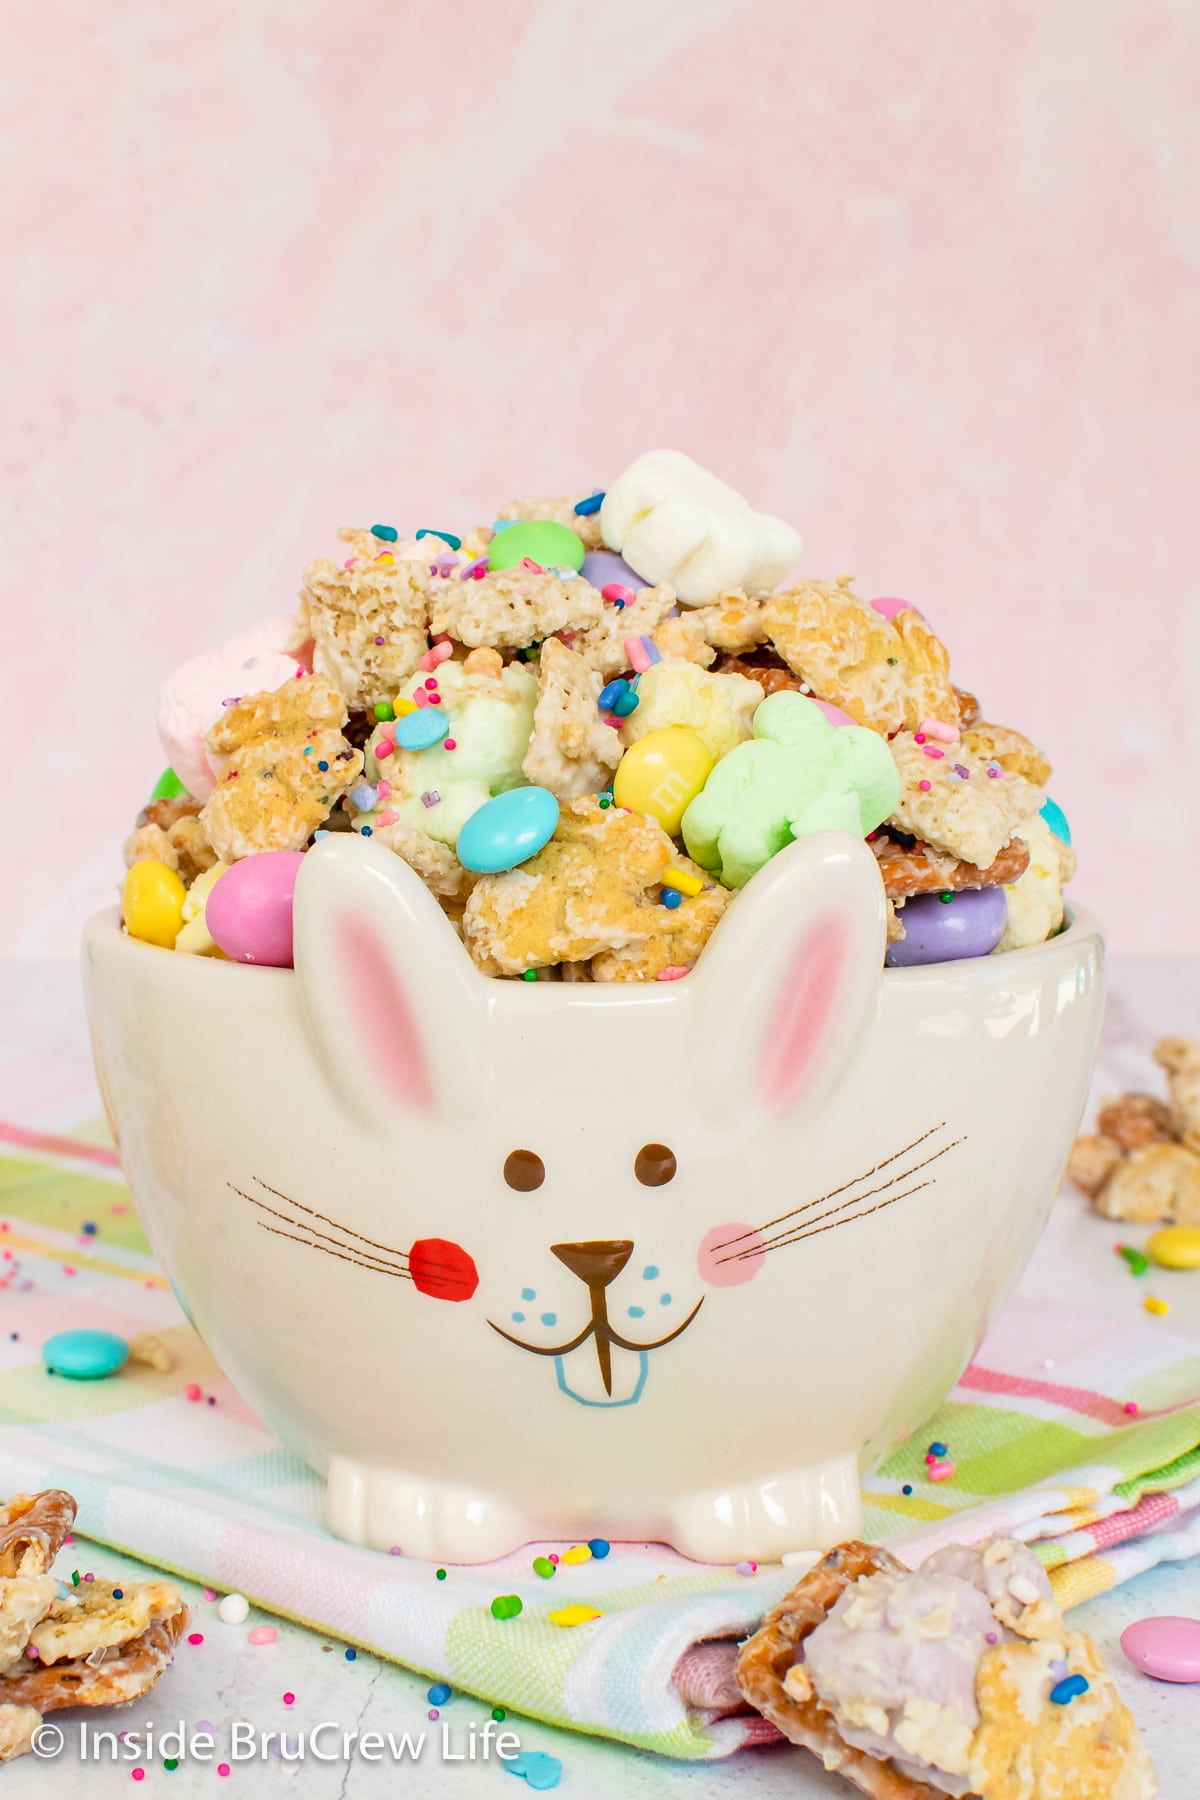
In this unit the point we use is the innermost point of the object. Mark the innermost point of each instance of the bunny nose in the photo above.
(597, 1263)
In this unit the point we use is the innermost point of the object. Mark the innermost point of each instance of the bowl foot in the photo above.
(799, 1509)
(387, 1509)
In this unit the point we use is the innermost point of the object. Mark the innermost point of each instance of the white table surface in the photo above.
(226, 1679)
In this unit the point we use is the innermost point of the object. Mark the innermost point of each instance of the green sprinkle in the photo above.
(384, 710)
(543, 1566)
(945, 899)
(441, 1574)
(1138, 1262)
(75, 1577)
(171, 1762)
(530, 975)
(388, 533)
(168, 786)
(506, 1606)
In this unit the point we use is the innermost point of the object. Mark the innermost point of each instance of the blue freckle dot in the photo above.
(549, 1318)
(650, 1272)
(664, 1299)
(529, 1293)
(517, 1318)
(637, 1312)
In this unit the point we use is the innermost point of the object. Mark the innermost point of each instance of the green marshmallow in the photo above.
(799, 774)
(168, 786)
(544, 541)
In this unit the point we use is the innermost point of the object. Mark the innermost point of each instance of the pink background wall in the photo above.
(920, 277)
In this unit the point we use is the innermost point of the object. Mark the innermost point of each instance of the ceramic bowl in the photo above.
(509, 1260)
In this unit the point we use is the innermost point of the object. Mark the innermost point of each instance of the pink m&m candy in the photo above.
(249, 911)
(1167, 1649)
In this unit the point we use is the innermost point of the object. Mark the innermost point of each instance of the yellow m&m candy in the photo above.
(1175, 1247)
(153, 903)
(662, 774)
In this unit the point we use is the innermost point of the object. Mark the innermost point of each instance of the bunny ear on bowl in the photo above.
(789, 983)
(393, 1004)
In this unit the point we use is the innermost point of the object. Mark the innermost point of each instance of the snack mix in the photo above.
(1142, 1163)
(959, 1678)
(86, 1643)
(586, 727)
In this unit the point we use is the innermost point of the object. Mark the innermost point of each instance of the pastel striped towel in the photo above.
(203, 1489)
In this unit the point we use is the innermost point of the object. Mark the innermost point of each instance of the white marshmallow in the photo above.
(672, 521)
(191, 699)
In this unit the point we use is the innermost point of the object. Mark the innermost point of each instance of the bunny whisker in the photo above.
(302, 1225)
(376, 1268)
(814, 1229)
(834, 1192)
(313, 1214)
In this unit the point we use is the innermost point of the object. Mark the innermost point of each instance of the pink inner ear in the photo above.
(383, 1015)
(800, 1025)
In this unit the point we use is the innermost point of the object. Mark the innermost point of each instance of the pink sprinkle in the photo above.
(945, 734)
(68, 1270)
(300, 674)
(387, 817)
(432, 682)
(434, 1713)
(263, 1634)
(395, 1550)
(941, 1471)
(192, 1391)
(222, 1768)
(918, 737)
(195, 1637)
(289, 1699)
(208, 1593)
(637, 655)
(349, 562)
(449, 743)
(937, 755)
(1131, 1407)
(552, 1558)
(535, 568)
(137, 1774)
(384, 749)
(925, 786)
(675, 973)
(420, 697)
(383, 788)
(616, 591)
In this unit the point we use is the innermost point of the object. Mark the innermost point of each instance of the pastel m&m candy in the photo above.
(1175, 1247)
(604, 568)
(948, 927)
(1168, 1649)
(662, 774)
(543, 541)
(85, 1355)
(508, 830)
(152, 906)
(422, 728)
(249, 911)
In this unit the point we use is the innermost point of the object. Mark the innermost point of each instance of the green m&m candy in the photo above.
(543, 541)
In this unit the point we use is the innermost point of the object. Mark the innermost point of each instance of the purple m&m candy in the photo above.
(1168, 1649)
(947, 927)
(249, 911)
(602, 567)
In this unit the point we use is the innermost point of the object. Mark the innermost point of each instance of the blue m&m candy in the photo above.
(421, 729)
(507, 830)
(1056, 819)
(85, 1355)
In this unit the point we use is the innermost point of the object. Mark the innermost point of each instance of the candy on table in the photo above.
(193, 697)
(152, 903)
(508, 830)
(1165, 1648)
(541, 541)
(948, 799)
(662, 773)
(798, 775)
(1034, 901)
(515, 608)
(888, 674)
(366, 622)
(1175, 1247)
(572, 749)
(194, 938)
(249, 910)
(673, 521)
(719, 708)
(947, 927)
(85, 1355)
(286, 766)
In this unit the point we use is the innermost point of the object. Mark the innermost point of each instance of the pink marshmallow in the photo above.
(191, 699)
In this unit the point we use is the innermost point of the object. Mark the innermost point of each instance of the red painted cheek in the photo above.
(726, 1255)
(442, 1270)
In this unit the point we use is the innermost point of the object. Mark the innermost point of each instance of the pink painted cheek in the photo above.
(720, 1257)
(442, 1269)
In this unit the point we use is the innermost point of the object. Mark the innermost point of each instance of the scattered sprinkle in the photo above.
(499, 1714)
(388, 533)
(1138, 1261)
(681, 879)
(543, 1566)
(1153, 1305)
(449, 744)
(593, 503)
(538, 1770)
(432, 798)
(352, 1654)
(222, 1768)
(323, 765)
(676, 972)
(937, 1449)
(447, 537)
(578, 1553)
(907, 1488)
(441, 1574)
(599, 1548)
(438, 1694)
(671, 900)
(746, 1568)
(137, 1774)
(507, 1606)
(195, 1637)
(1064, 1691)
(118, 1593)
(925, 786)
(1131, 1407)
(289, 1699)
(529, 975)
(940, 1471)
(234, 1609)
(263, 1634)
(614, 590)
(575, 1614)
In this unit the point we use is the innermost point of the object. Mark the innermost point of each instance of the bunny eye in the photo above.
(654, 1165)
(524, 1170)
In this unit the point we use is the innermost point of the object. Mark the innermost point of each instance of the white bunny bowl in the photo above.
(762, 1219)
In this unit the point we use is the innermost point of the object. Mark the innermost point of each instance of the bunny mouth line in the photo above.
(605, 1337)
